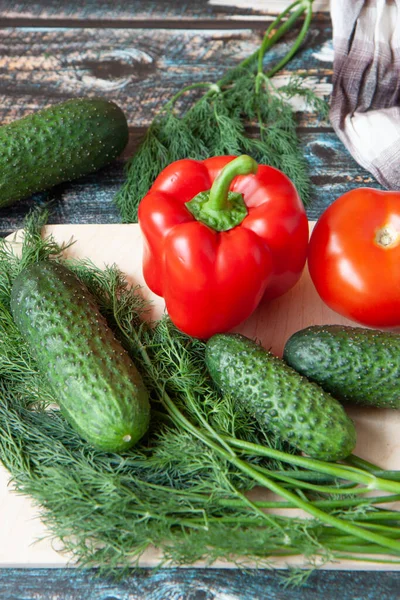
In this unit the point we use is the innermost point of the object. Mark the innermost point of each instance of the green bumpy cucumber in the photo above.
(354, 364)
(59, 144)
(281, 400)
(93, 379)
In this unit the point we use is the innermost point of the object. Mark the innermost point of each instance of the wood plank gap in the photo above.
(177, 24)
(253, 129)
(322, 129)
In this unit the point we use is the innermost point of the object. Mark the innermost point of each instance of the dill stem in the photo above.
(307, 506)
(347, 489)
(310, 476)
(269, 40)
(193, 86)
(296, 45)
(347, 546)
(266, 44)
(329, 534)
(331, 537)
(381, 514)
(193, 523)
(356, 461)
(204, 421)
(311, 509)
(341, 503)
(272, 519)
(337, 470)
(389, 530)
(343, 556)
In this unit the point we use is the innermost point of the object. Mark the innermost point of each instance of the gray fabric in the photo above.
(365, 104)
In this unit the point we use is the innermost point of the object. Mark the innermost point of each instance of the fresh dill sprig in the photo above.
(189, 487)
(242, 113)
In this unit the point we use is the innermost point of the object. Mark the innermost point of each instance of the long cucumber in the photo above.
(58, 144)
(96, 384)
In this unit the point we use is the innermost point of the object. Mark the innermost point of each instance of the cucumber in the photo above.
(281, 400)
(352, 363)
(95, 383)
(58, 144)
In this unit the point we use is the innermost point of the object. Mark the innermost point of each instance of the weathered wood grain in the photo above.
(194, 584)
(90, 199)
(333, 171)
(154, 10)
(140, 69)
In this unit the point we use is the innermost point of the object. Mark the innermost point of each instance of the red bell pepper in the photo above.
(213, 254)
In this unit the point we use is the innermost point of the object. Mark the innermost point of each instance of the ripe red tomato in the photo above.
(354, 257)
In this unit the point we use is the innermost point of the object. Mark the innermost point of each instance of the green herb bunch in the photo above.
(218, 122)
(190, 488)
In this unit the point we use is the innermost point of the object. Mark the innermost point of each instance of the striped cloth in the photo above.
(365, 105)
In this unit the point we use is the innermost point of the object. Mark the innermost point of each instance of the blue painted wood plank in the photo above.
(333, 171)
(195, 584)
(140, 69)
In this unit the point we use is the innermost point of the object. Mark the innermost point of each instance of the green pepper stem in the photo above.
(219, 208)
(242, 165)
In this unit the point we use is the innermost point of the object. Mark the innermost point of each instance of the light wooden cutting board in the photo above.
(378, 430)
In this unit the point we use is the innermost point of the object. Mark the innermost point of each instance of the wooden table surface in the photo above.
(139, 54)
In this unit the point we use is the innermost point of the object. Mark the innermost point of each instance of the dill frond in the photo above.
(241, 113)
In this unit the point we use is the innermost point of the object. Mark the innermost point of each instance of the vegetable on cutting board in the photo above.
(219, 235)
(354, 364)
(281, 400)
(183, 488)
(354, 257)
(58, 144)
(98, 387)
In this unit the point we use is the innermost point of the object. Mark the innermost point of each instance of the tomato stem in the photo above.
(387, 237)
